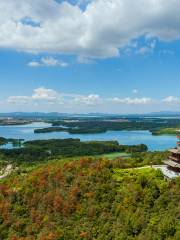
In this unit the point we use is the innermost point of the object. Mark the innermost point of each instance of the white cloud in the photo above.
(171, 100)
(34, 64)
(50, 96)
(85, 60)
(132, 101)
(99, 31)
(48, 62)
(148, 48)
(47, 99)
(92, 99)
(18, 99)
(144, 50)
(45, 94)
(39, 95)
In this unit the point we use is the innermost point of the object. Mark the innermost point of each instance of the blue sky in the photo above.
(110, 69)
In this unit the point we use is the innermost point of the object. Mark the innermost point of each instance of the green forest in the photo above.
(40, 150)
(89, 198)
(65, 189)
(155, 126)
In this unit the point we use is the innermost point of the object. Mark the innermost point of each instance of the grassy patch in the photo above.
(166, 131)
(112, 156)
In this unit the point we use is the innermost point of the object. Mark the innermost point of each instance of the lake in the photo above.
(26, 132)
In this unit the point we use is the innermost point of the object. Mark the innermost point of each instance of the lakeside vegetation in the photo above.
(50, 129)
(38, 150)
(101, 125)
(155, 126)
(14, 142)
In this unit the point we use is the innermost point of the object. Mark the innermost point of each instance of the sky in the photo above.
(84, 56)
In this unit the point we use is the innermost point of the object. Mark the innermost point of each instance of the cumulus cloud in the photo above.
(48, 62)
(98, 30)
(92, 99)
(48, 99)
(132, 101)
(45, 94)
(171, 100)
(39, 94)
(50, 96)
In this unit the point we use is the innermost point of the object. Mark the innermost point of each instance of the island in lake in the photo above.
(88, 126)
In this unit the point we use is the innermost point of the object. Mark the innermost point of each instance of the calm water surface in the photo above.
(26, 132)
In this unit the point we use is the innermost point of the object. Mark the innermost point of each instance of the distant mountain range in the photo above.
(51, 114)
(69, 115)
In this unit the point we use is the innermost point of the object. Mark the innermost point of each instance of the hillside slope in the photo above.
(89, 199)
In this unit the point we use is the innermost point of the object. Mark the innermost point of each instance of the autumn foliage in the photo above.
(81, 199)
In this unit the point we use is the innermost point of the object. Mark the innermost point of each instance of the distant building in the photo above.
(173, 162)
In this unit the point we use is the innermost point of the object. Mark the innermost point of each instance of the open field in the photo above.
(167, 131)
(115, 155)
